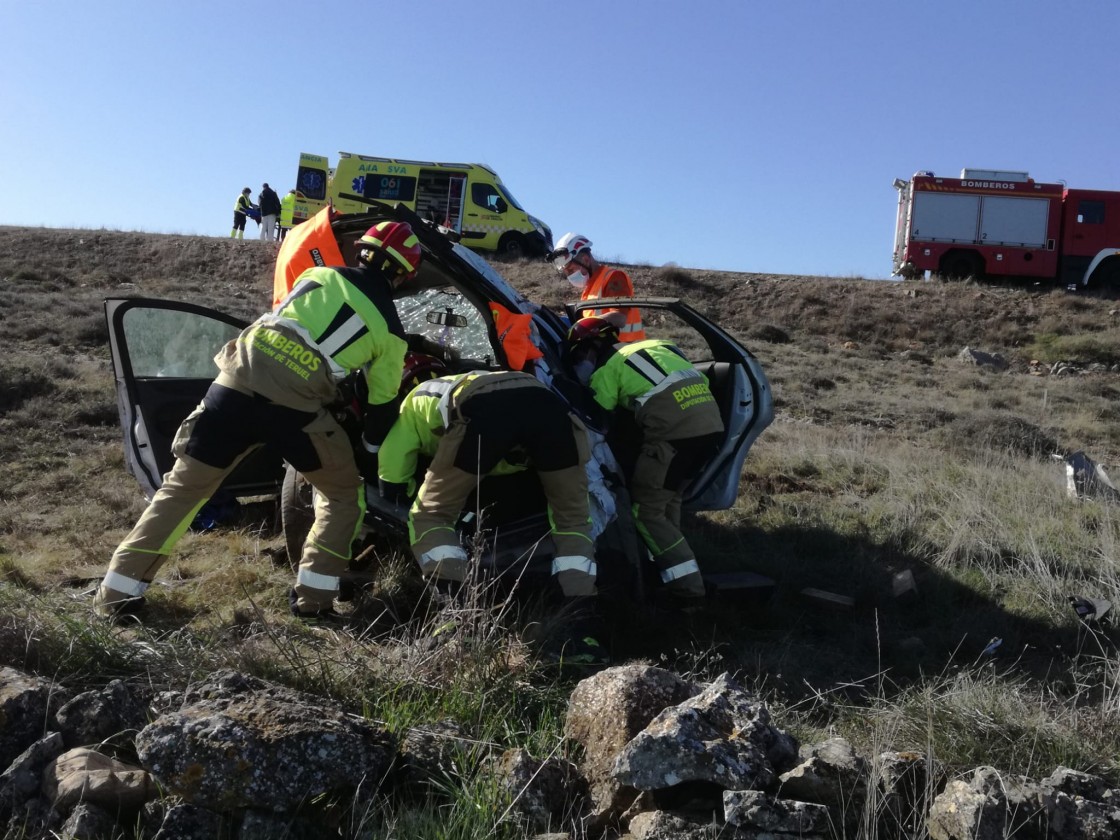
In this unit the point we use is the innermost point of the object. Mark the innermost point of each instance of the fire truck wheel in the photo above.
(960, 265)
(1107, 276)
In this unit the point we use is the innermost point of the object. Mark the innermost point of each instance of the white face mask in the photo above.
(578, 278)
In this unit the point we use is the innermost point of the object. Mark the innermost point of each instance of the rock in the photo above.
(239, 742)
(24, 777)
(436, 751)
(988, 360)
(775, 818)
(830, 774)
(88, 776)
(549, 794)
(182, 821)
(671, 825)
(27, 706)
(906, 783)
(97, 718)
(604, 712)
(89, 822)
(722, 736)
(975, 810)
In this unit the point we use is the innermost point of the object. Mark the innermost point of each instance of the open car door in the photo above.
(163, 361)
(737, 380)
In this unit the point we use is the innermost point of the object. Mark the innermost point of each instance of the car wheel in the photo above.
(297, 513)
(512, 246)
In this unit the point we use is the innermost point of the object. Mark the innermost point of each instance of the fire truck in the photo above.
(996, 223)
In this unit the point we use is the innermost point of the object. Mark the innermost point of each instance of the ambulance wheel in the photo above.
(297, 513)
(512, 246)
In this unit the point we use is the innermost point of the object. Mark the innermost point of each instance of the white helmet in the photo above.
(566, 249)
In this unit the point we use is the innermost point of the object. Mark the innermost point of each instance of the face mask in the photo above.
(583, 371)
(578, 278)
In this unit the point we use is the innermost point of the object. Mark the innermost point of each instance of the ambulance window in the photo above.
(1090, 212)
(312, 183)
(509, 197)
(389, 187)
(484, 195)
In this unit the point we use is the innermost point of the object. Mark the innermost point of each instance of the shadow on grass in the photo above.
(802, 645)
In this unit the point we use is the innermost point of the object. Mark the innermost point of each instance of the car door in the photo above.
(736, 378)
(163, 361)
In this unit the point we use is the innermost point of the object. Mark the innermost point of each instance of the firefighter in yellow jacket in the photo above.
(475, 424)
(275, 381)
(681, 429)
(572, 257)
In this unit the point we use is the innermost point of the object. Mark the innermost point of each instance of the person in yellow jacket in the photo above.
(287, 213)
(681, 429)
(487, 423)
(241, 208)
(274, 383)
(572, 257)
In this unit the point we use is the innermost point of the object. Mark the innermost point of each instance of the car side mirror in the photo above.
(500, 205)
(446, 318)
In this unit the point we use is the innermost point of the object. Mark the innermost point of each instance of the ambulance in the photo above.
(466, 198)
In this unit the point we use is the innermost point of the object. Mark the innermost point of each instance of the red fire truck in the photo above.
(1003, 224)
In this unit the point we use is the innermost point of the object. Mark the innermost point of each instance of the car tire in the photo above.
(297, 513)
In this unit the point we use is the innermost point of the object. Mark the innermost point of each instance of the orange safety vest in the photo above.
(515, 336)
(309, 244)
(606, 283)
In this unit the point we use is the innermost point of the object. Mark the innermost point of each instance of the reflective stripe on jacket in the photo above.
(348, 314)
(424, 416)
(609, 282)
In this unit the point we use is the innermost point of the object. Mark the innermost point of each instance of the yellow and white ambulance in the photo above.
(468, 198)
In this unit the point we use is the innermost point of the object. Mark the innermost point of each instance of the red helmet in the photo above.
(396, 243)
(598, 330)
(419, 368)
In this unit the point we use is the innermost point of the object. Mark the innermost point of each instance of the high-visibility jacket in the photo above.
(607, 282)
(287, 209)
(669, 396)
(243, 204)
(424, 416)
(312, 243)
(348, 316)
(515, 334)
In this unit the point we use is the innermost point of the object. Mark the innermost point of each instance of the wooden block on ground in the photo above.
(830, 599)
(739, 585)
(903, 585)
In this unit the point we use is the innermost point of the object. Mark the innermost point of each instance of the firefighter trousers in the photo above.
(210, 443)
(660, 475)
(499, 417)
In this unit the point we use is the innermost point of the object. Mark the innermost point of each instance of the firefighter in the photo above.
(680, 430)
(241, 208)
(482, 423)
(287, 213)
(572, 257)
(274, 383)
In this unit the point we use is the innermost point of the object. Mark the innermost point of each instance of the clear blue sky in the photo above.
(745, 136)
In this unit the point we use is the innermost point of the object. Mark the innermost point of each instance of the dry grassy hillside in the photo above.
(887, 454)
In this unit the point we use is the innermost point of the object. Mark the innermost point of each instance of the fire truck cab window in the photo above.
(1090, 212)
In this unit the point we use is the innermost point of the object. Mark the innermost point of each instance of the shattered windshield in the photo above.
(450, 320)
